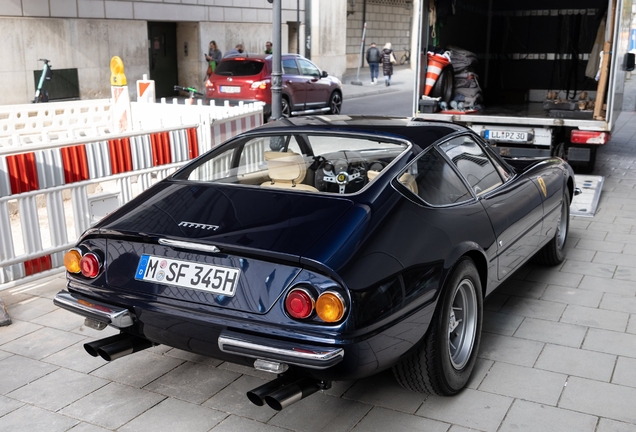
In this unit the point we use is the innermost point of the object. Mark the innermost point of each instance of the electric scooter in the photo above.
(47, 73)
(192, 93)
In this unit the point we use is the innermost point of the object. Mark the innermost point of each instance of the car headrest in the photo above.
(285, 166)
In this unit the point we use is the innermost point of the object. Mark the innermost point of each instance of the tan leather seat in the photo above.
(406, 179)
(286, 171)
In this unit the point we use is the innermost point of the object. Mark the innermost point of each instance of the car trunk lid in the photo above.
(260, 234)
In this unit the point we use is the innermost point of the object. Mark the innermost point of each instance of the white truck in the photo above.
(535, 98)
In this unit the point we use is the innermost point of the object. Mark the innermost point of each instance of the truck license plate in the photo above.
(497, 135)
(187, 274)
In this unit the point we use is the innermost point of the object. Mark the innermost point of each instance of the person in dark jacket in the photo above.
(388, 59)
(373, 59)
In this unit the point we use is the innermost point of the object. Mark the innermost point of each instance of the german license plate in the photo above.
(186, 274)
(230, 89)
(506, 135)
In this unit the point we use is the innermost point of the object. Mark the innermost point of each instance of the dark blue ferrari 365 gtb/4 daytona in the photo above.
(323, 248)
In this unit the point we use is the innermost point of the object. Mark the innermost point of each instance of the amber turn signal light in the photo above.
(72, 260)
(330, 306)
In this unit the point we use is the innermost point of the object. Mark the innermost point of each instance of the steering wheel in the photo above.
(343, 171)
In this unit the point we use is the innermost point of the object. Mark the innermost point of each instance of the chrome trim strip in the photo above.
(316, 358)
(189, 245)
(115, 316)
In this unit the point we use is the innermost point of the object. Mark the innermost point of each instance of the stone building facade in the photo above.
(85, 34)
(387, 21)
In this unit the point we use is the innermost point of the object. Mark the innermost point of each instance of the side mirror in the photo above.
(324, 74)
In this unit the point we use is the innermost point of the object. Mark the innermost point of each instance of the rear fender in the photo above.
(479, 258)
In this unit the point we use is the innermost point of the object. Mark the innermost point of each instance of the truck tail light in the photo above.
(589, 137)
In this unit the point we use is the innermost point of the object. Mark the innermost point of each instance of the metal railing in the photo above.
(56, 185)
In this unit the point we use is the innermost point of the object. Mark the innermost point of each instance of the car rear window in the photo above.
(318, 163)
(239, 68)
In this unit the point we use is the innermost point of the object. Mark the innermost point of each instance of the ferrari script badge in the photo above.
(542, 186)
(198, 225)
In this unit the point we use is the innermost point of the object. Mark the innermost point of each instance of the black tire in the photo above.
(335, 103)
(553, 253)
(403, 59)
(443, 87)
(285, 109)
(435, 367)
(559, 151)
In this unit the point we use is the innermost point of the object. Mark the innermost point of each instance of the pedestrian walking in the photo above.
(268, 47)
(373, 59)
(213, 57)
(388, 60)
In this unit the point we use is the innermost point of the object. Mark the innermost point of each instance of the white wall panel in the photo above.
(11, 7)
(119, 9)
(64, 8)
(90, 8)
(35, 7)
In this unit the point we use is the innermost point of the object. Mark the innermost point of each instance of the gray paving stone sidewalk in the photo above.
(558, 354)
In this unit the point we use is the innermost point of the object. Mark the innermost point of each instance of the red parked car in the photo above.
(306, 89)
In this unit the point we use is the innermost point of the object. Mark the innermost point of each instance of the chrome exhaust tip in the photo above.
(285, 390)
(292, 393)
(92, 347)
(257, 395)
(123, 347)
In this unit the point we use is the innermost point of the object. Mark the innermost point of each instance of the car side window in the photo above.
(436, 182)
(472, 163)
(290, 67)
(307, 68)
(501, 168)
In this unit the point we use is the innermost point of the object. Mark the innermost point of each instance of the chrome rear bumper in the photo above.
(286, 352)
(115, 316)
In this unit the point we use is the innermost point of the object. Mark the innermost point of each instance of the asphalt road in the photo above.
(391, 104)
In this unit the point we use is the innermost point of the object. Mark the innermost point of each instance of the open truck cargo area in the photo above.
(547, 76)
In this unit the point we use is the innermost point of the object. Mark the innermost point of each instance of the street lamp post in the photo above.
(277, 74)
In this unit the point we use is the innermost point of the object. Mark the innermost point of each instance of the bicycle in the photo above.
(47, 73)
(192, 93)
(406, 57)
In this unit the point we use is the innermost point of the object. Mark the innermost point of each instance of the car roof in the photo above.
(248, 56)
(418, 131)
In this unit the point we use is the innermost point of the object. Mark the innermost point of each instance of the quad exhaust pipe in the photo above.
(285, 390)
(114, 347)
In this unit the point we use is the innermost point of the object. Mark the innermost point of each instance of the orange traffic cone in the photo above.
(436, 63)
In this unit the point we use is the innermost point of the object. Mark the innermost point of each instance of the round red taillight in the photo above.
(299, 303)
(90, 265)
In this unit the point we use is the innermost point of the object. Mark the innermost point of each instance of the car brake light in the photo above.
(330, 306)
(589, 137)
(90, 265)
(299, 303)
(259, 85)
(72, 260)
(238, 58)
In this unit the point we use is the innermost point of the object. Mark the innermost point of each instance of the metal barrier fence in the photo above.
(59, 179)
